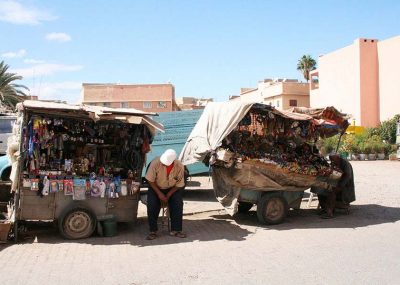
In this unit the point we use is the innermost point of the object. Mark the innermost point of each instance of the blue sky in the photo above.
(205, 48)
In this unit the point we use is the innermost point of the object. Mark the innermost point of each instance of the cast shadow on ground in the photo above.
(360, 216)
(207, 229)
(200, 195)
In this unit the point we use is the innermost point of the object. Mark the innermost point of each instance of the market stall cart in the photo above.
(260, 155)
(76, 164)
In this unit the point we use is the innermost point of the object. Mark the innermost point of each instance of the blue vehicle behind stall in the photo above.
(5, 168)
(178, 126)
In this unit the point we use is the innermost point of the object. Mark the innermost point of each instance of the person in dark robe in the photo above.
(343, 193)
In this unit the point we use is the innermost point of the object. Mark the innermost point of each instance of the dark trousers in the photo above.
(332, 200)
(175, 205)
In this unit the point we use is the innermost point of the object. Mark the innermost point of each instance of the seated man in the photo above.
(343, 194)
(165, 176)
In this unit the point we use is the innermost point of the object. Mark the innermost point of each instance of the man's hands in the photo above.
(163, 198)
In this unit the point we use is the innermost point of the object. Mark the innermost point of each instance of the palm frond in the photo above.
(10, 92)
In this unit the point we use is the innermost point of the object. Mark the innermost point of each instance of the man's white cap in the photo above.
(168, 157)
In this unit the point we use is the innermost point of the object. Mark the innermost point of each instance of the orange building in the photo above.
(361, 79)
(147, 97)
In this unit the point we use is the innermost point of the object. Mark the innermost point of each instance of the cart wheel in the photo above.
(272, 209)
(77, 223)
(244, 207)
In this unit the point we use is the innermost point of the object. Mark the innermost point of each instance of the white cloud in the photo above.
(58, 37)
(46, 69)
(65, 91)
(14, 12)
(33, 61)
(14, 54)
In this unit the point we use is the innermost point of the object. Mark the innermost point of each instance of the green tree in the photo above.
(305, 64)
(387, 129)
(10, 93)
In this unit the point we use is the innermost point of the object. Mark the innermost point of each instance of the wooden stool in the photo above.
(165, 218)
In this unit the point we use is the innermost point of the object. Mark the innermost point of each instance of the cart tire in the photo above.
(272, 209)
(244, 207)
(77, 223)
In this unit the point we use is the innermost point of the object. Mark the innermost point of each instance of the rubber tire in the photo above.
(244, 207)
(278, 213)
(84, 215)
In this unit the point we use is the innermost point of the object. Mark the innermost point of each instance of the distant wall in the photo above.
(339, 81)
(389, 77)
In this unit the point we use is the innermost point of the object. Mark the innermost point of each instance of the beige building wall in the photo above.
(301, 101)
(339, 81)
(191, 103)
(279, 93)
(389, 77)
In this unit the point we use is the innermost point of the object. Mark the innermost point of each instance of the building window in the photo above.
(277, 103)
(161, 104)
(293, 103)
(147, 105)
(124, 104)
(106, 104)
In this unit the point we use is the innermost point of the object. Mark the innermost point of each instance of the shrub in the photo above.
(328, 145)
(393, 148)
(351, 144)
(387, 129)
(367, 148)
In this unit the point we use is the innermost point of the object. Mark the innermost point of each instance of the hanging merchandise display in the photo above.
(268, 136)
(83, 158)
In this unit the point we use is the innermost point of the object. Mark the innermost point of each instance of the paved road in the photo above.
(362, 248)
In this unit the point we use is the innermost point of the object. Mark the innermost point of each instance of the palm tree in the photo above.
(10, 93)
(305, 64)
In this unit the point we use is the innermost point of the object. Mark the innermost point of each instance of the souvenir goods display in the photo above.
(266, 136)
(79, 189)
(124, 189)
(46, 186)
(26, 183)
(83, 158)
(95, 188)
(54, 186)
(68, 187)
(60, 185)
(102, 189)
(34, 184)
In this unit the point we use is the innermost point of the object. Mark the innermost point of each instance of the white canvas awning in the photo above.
(131, 116)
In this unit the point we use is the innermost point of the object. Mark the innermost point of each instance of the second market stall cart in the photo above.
(264, 156)
(77, 163)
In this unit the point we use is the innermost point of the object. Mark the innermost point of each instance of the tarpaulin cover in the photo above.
(216, 122)
(261, 177)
